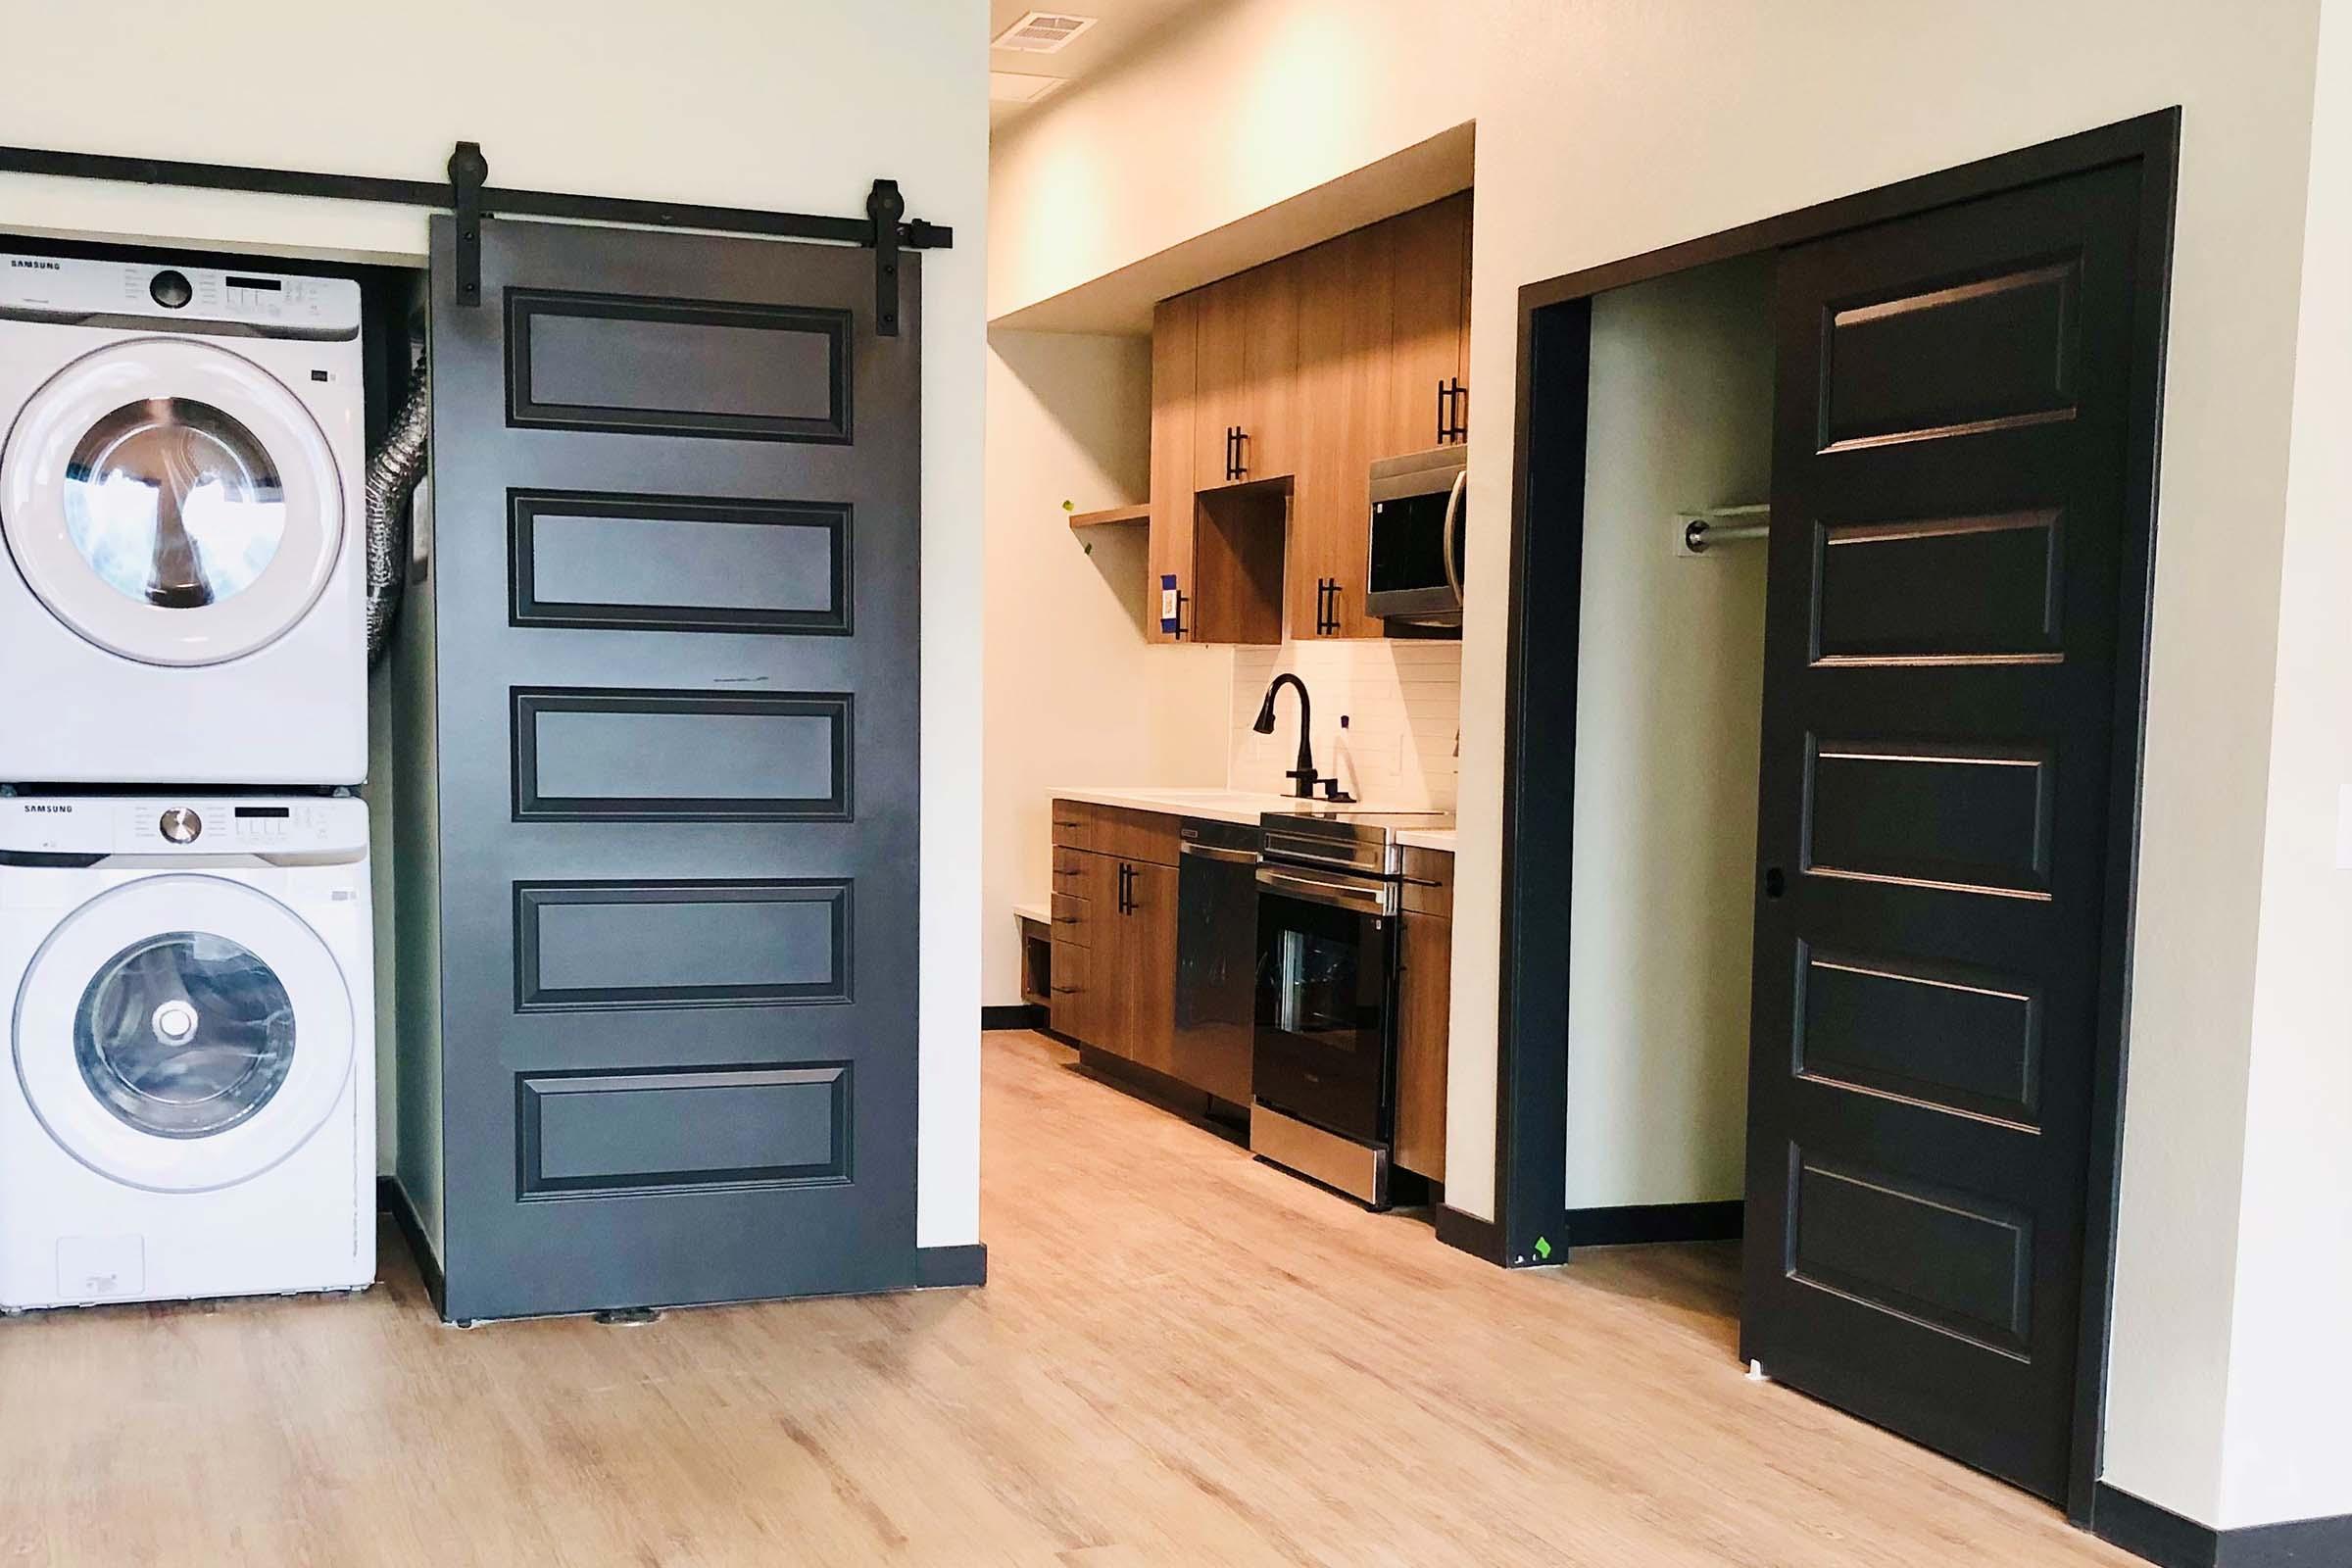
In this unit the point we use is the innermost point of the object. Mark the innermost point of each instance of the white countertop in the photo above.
(1223, 805)
(1245, 807)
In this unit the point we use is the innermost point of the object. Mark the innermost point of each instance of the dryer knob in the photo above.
(181, 825)
(171, 290)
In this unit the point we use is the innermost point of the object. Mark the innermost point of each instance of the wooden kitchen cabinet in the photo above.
(1145, 977)
(1244, 393)
(1429, 327)
(1424, 1000)
(1114, 931)
(1321, 361)
(1345, 290)
(1215, 561)
(1175, 339)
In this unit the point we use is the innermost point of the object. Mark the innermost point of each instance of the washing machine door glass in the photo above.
(172, 501)
(183, 1033)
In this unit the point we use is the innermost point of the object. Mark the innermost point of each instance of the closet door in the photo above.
(675, 593)
(1938, 840)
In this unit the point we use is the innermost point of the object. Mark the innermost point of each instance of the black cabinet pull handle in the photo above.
(1241, 453)
(1441, 413)
(1181, 599)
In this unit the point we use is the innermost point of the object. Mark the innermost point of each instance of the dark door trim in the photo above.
(1530, 1223)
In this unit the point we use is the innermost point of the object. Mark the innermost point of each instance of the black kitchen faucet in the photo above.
(1305, 773)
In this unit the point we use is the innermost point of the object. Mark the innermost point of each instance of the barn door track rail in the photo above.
(885, 228)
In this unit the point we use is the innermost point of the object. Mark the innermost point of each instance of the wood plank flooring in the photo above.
(1182, 1357)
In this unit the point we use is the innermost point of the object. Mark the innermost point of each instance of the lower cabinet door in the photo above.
(1424, 1000)
(1146, 980)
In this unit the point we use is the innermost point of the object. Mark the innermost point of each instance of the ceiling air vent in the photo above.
(1042, 32)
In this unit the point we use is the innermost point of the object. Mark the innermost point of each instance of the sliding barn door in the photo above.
(675, 590)
(1950, 537)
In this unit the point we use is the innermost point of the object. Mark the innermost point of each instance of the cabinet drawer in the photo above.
(1428, 881)
(1072, 921)
(1071, 1005)
(1149, 836)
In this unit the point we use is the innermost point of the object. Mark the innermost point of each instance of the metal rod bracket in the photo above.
(467, 169)
(885, 206)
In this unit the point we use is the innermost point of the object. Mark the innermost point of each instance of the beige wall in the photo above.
(1613, 126)
(1074, 694)
(759, 106)
(1669, 706)
(2288, 1453)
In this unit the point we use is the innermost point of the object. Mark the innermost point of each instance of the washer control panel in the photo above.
(276, 304)
(34, 828)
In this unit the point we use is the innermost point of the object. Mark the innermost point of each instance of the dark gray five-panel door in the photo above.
(675, 581)
(1940, 831)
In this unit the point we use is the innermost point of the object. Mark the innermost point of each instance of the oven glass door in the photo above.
(1325, 997)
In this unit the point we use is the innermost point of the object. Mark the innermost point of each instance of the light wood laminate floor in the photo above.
(1181, 1357)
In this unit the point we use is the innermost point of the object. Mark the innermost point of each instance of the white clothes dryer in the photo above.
(183, 600)
(188, 1107)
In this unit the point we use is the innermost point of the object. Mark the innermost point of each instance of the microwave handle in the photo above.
(1453, 504)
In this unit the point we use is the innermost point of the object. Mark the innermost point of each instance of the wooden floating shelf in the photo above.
(1140, 511)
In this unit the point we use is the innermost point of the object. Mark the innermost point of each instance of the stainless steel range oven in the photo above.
(1324, 1054)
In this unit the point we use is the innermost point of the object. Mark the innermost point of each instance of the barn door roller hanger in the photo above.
(885, 228)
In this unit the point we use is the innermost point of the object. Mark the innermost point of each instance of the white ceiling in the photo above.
(1123, 25)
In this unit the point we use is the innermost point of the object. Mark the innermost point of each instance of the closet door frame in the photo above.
(1545, 566)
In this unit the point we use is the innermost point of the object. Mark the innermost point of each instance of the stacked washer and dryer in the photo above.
(188, 1105)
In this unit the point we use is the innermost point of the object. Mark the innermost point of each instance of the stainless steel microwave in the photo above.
(1419, 520)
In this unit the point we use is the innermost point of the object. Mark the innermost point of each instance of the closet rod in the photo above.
(1699, 533)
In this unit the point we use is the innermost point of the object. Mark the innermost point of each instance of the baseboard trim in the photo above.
(1636, 1223)
(942, 1267)
(393, 1200)
(1482, 1239)
(1020, 1015)
(2163, 1537)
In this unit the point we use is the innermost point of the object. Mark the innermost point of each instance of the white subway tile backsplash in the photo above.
(1403, 702)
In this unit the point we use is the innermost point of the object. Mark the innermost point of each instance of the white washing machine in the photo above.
(183, 598)
(189, 1106)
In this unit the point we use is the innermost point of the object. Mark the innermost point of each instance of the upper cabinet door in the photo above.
(1245, 402)
(1340, 400)
(1170, 590)
(1428, 327)
(1269, 417)
(1220, 380)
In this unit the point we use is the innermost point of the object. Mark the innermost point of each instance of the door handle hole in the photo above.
(1776, 882)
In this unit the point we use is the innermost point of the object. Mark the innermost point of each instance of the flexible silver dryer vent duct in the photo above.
(392, 476)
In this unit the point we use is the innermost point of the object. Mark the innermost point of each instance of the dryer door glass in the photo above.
(184, 1035)
(173, 503)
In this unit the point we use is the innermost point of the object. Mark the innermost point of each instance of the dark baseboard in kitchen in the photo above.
(1020, 1015)
(1221, 1116)
(2166, 1538)
(1480, 1238)
(940, 1267)
(1638, 1223)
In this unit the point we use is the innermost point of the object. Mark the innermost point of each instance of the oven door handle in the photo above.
(1217, 852)
(1325, 890)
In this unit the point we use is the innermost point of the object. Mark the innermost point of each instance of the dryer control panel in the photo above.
(35, 830)
(64, 288)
